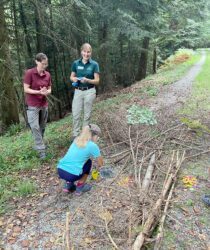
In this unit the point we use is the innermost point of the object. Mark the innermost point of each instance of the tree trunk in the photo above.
(27, 38)
(19, 89)
(14, 9)
(105, 76)
(55, 52)
(38, 24)
(8, 102)
(142, 69)
(154, 61)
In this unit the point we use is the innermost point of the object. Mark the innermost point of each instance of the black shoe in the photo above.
(69, 187)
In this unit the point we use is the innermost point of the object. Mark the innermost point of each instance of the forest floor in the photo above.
(108, 217)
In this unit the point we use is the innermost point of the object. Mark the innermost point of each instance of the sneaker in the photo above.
(82, 189)
(69, 187)
(206, 199)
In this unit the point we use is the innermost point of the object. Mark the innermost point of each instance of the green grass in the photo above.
(199, 102)
(25, 188)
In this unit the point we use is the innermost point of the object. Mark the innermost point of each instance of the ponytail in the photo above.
(84, 137)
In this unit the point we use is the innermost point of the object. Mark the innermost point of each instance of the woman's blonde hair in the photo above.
(84, 137)
(86, 46)
(87, 133)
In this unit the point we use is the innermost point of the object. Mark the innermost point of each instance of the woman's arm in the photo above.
(100, 161)
(73, 77)
(94, 81)
(28, 90)
(43, 91)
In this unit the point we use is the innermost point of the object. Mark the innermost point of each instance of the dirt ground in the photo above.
(109, 214)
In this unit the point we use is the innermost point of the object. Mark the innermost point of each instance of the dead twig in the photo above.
(68, 246)
(162, 220)
(201, 153)
(155, 212)
(107, 229)
(122, 157)
(148, 175)
(133, 154)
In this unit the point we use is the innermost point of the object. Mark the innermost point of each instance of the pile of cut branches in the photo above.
(150, 159)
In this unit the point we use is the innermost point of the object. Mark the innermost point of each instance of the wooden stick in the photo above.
(139, 172)
(133, 155)
(109, 235)
(162, 220)
(155, 212)
(118, 143)
(130, 227)
(122, 157)
(110, 138)
(148, 175)
(107, 229)
(121, 170)
(67, 231)
(170, 166)
(191, 156)
(118, 154)
(185, 145)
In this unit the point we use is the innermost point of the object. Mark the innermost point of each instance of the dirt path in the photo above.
(173, 95)
(40, 222)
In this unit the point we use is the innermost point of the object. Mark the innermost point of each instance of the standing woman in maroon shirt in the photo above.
(37, 86)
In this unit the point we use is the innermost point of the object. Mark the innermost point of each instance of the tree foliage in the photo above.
(127, 38)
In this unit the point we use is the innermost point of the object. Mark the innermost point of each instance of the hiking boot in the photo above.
(42, 155)
(82, 189)
(69, 187)
(206, 199)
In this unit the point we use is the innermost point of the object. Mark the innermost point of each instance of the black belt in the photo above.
(84, 88)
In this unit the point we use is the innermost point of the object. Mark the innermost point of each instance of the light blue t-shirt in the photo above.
(76, 157)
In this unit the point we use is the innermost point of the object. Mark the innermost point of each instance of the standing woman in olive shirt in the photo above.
(85, 73)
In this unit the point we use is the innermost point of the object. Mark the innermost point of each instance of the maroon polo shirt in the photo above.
(36, 81)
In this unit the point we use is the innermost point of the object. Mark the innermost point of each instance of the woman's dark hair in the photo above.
(40, 57)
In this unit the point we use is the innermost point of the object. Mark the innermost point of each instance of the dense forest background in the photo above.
(130, 39)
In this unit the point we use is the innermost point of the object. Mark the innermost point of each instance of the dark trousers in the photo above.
(71, 177)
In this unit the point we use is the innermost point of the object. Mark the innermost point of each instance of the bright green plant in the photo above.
(25, 188)
(151, 91)
(195, 125)
(14, 129)
(140, 115)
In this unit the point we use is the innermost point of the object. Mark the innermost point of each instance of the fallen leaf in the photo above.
(185, 210)
(202, 237)
(36, 244)
(1, 223)
(124, 182)
(196, 210)
(106, 215)
(89, 241)
(25, 243)
(43, 194)
(17, 229)
(12, 240)
(191, 232)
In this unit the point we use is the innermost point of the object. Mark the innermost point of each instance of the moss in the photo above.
(195, 125)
